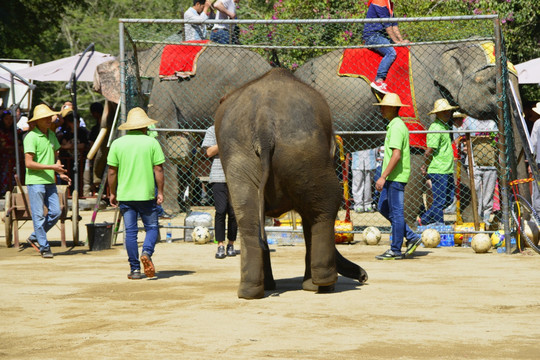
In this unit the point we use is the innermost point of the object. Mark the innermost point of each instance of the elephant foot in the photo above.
(308, 285)
(247, 291)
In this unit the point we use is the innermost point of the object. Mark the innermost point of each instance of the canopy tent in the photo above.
(61, 69)
(529, 72)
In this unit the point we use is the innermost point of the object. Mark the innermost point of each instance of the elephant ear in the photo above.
(107, 80)
(449, 76)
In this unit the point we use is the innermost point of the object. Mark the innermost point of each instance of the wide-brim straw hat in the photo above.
(42, 111)
(442, 105)
(536, 109)
(458, 114)
(391, 99)
(136, 119)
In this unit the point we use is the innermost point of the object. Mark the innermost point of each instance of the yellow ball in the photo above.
(497, 238)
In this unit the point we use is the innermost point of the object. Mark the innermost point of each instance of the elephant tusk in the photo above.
(97, 143)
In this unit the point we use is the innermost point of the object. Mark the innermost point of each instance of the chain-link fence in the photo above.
(456, 58)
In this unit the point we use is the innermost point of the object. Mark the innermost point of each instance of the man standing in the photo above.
(439, 162)
(134, 160)
(41, 160)
(382, 34)
(198, 12)
(395, 175)
(226, 9)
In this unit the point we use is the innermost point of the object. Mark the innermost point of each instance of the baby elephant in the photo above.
(276, 143)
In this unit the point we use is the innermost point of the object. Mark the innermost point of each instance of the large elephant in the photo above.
(189, 103)
(276, 144)
(460, 73)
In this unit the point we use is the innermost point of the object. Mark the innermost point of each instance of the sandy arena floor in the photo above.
(447, 303)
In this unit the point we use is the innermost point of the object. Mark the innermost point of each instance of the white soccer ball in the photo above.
(372, 235)
(431, 238)
(481, 243)
(200, 235)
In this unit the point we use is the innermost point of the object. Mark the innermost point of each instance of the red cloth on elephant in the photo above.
(180, 60)
(363, 63)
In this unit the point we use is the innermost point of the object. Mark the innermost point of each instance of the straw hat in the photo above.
(391, 99)
(42, 111)
(457, 114)
(66, 111)
(442, 105)
(537, 108)
(136, 119)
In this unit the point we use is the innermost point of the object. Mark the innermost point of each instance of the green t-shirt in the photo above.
(135, 155)
(397, 137)
(44, 148)
(443, 154)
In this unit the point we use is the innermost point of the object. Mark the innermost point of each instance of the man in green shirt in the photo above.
(134, 160)
(439, 162)
(41, 160)
(395, 175)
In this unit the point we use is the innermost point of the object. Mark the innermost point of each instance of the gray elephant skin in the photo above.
(459, 73)
(276, 144)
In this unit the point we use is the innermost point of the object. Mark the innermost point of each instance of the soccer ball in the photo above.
(431, 238)
(497, 238)
(372, 235)
(200, 235)
(481, 243)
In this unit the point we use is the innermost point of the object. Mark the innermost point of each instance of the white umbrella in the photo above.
(61, 69)
(529, 72)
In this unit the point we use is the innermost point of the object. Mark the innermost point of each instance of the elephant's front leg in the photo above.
(323, 262)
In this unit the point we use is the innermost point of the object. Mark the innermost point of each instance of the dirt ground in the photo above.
(447, 303)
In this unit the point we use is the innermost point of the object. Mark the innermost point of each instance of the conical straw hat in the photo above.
(42, 111)
(442, 105)
(391, 99)
(136, 119)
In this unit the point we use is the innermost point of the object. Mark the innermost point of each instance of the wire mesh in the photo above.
(181, 84)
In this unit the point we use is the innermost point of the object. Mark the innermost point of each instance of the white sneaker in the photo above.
(380, 86)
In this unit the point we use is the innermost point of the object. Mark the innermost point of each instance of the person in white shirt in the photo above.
(198, 12)
(535, 142)
(226, 9)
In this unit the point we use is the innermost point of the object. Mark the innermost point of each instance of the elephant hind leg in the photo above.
(349, 269)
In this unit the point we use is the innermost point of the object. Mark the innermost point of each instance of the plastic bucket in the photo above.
(99, 236)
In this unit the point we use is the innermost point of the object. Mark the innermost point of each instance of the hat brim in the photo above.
(133, 126)
(393, 105)
(43, 116)
(441, 110)
(536, 110)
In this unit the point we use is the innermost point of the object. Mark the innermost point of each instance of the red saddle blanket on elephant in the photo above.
(180, 61)
(363, 63)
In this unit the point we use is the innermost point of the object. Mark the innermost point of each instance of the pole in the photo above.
(502, 141)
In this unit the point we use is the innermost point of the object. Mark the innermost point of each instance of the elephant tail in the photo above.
(265, 165)
(349, 269)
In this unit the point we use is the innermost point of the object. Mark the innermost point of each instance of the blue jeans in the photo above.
(388, 53)
(442, 188)
(130, 211)
(221, 36)
(391, 207)
(43, 195)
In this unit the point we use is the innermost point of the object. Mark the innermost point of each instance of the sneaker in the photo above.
(389, 255)
(149, 269)
(221, 252)
(165, 215)
(230, 250)
(47, 254)
(380, 86)
(359, 209)
(412, 245)
(135, 275)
